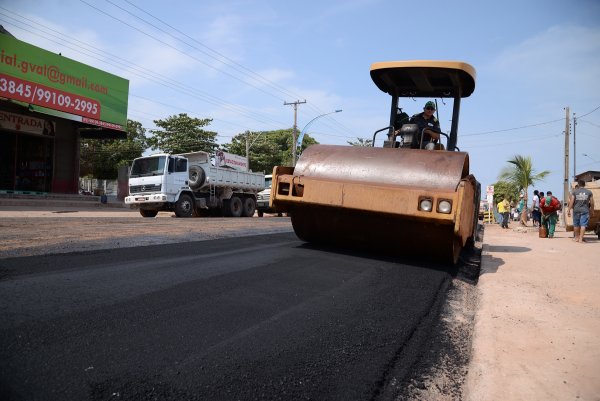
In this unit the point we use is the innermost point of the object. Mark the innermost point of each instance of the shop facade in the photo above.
(48, 103)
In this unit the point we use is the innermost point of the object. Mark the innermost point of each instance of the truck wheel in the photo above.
(148, 213)
(184, 206)
(197, 177)
(249, 207)
(232, 207)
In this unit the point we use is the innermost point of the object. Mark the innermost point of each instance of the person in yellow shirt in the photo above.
(501, 211)
(504, 208)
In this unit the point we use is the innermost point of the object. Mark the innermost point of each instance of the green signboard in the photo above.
(53, 83)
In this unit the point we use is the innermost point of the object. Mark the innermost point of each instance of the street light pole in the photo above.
(301, 136)
(295, 104)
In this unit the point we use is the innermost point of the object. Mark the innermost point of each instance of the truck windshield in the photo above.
(148, 166)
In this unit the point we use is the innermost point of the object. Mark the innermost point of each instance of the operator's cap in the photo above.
(430, 104)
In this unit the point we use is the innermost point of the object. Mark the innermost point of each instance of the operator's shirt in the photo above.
(423, 123)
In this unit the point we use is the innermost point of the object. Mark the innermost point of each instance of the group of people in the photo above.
(545, 208)
(545, 211)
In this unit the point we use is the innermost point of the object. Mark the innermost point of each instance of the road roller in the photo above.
(412, 196)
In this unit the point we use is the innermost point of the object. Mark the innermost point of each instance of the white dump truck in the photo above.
(189, 185)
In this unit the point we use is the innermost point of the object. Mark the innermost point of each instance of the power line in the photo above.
(529, 126)
(587, 122)
(140, 71)
(177, 49)
(513, 142)
(512, 129)
(597, 108)
(231, 63)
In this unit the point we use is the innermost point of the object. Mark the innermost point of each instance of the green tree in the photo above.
(361, 142)
(522, 174)
(101, 158)
(267, 148)
(181, 134)
(505, 189)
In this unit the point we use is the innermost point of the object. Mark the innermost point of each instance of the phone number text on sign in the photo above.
(41, 95)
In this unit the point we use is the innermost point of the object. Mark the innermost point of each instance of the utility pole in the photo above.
(566, 183)
(574, 147)
(295, 130)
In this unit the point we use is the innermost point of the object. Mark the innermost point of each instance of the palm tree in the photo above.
(523, 175)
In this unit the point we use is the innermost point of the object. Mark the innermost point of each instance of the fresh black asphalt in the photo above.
(253, 318)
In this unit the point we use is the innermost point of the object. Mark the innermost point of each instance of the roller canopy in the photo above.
(421, 78)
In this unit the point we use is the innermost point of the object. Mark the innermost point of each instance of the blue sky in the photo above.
(239, 61)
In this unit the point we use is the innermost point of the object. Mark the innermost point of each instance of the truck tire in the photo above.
(232, 207)
(148, 213)
(249, 207)
(184, 206)
(197, 177)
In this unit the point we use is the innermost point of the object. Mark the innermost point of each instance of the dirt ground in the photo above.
(28, 231)
(537, 324)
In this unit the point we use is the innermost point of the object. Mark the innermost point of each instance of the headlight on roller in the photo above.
(425, 204)
(444, 206)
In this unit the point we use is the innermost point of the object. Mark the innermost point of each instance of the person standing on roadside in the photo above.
(535, 209)
(549, 207)
(522, 209)
(581, 202)
(505, 204)
(501, 213)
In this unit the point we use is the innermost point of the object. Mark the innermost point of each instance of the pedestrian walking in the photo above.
(581, 202)
(549, 208)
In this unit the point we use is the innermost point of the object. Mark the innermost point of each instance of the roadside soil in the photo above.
(33, 231)
(537, 326)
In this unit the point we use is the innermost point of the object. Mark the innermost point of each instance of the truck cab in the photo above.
(262, 205)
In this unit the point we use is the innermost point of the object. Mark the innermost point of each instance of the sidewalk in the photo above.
(537, 327)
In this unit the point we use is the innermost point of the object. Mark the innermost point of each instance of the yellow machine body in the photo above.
(377, 198)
